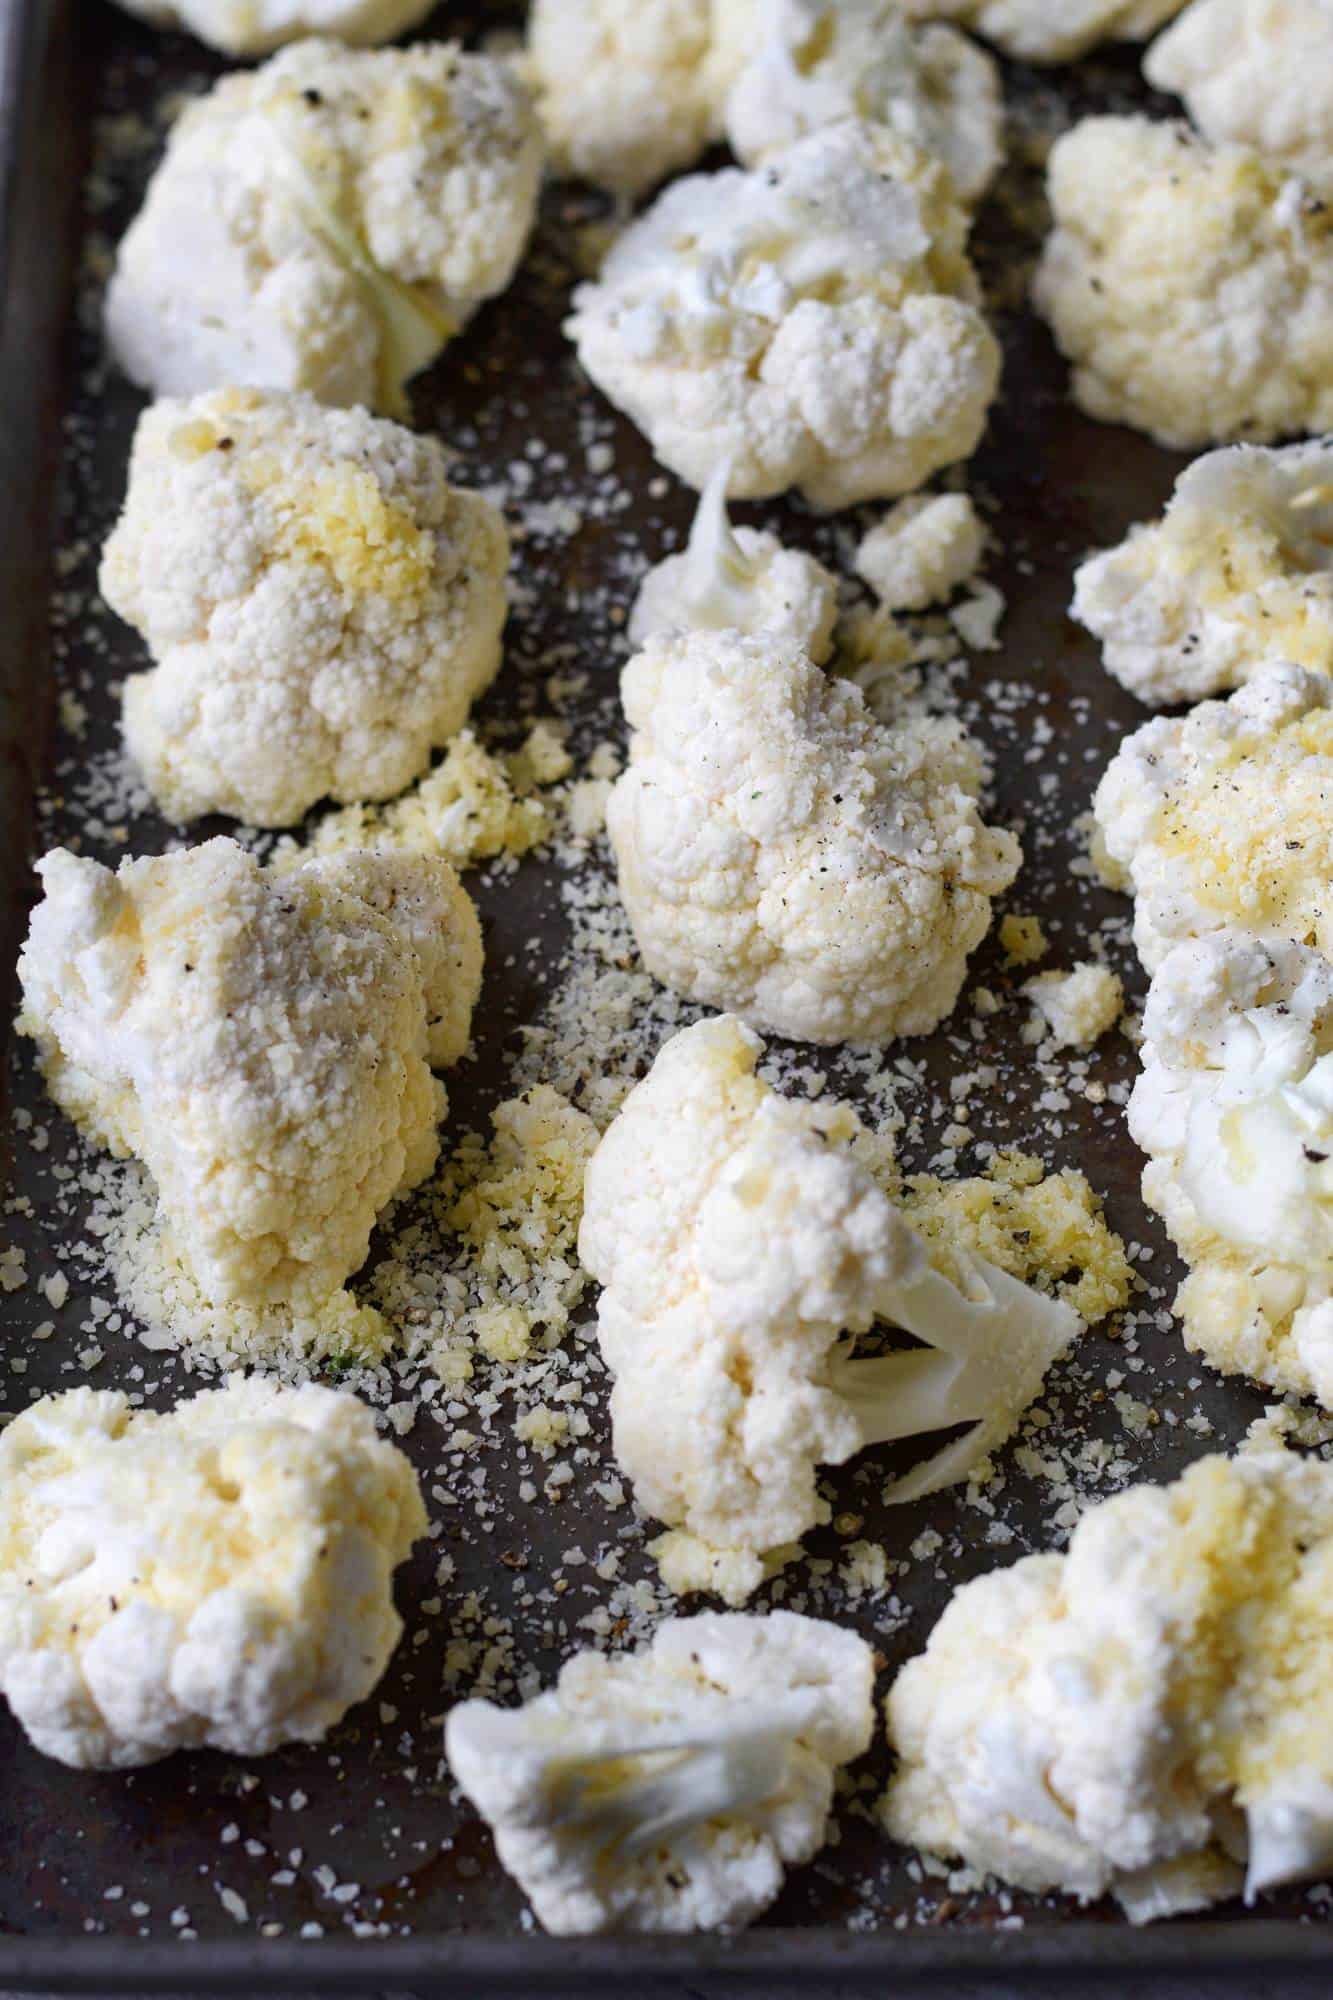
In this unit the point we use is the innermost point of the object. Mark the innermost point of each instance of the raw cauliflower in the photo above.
(813, 322)
(1238, 571)
(743, 1248)
(1078, 1007)
(256, 27)
(1151, 1713)
(670, 1789)
(629, 93)
(1224, 817)
(922, 550)
(737, 579)
(782, 854)
(1234, 1109)
(818, 61)
(262, 1043)
(1191, 286)
(1051, 31)
(327, 223)
(322, 606)
(1256, 73)
(218, 1575)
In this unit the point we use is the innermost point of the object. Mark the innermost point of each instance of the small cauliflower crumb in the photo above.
(1022, 940)
(922, 550)
(1076, 1007)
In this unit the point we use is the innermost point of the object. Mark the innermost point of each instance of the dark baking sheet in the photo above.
(432, 1905)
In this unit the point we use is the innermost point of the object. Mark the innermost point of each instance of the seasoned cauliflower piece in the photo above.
(737, 579)
(1235, 1111)
(1078, 1007)
(628, 94)
(1151, 1713)
(783, 854)
(244, 28)
(922, 550)
(743, 1247)
(818, 61)
(1221, 818)
(262, 1043)
(669, 1789)
(327, 223)
(1238, 571)
(1190, 286)
(1051, 31)
(813, 322)
(322, 605)
(220, 1575)
(1256, 73)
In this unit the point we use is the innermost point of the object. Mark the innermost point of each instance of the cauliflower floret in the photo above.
(818, 61)
(628, 94)
(922, 550)
(669, 1789)
(737, 579)
(322, 605)
(782, 854)
(221, 1574)
(740, 1242)
(1235, 1111)
(814, 322)
(1238, 571)
(262, 1043)
(257, 27)
(327, 222)
(1052, 31)
(1256, 73)
(1150, 1713)
(1077, 1008)
(1222, 817)
(1191, 286)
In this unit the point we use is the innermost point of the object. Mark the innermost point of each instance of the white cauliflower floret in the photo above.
(321, 604)
(818, 61)
(922, 550)
(1222, 818)
(262, 1043)
(782, 854)
(327, 222)
(1255, 73)
(220, 1575)
(813, 322)
(737, 579)
(1235, 1111)
(257, 27)
(1078, 1007)
(1190, 286)
(1052, 31)
(743, 1248)
(628, 94)
(669, 1789)
(1238, 571)
(1149, 1714)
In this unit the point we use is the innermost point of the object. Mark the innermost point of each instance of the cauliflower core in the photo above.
(1149, 1714)
(327, 223)
(244, 28)
(1238, 571)
(740, 1242)
(782, 854)
(814, 323)
(669, 1789)
(629, 93)
(818, 61)
(1190, 286)
(1256, 73)
(220, 1575)
(922, 550)
(1222, 818)
(262, 1043)
(1235, 1111)
(322, 605)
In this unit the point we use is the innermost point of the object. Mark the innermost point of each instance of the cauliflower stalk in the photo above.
(1149, 1714)
(322, 606)
(782, 854)
(327, 222)
(669, 1789)
(1052, 31)
(1255, 73)
(262, 1043)
(744, 1250)
(813, 322)
(257, 27)
(1190, 286)
(217, 1575)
